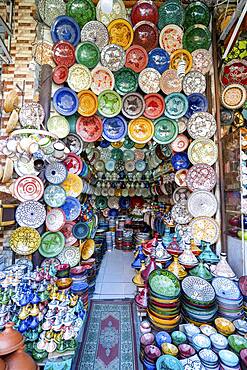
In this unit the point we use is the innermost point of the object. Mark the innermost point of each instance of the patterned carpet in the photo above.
(109, 340)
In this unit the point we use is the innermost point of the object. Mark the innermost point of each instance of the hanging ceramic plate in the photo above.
(59, 126)
(126, 81)
(79, 78)
(180, 144)
(197, 103)
(43, 53)
(197, 37)
(181, 194)
(65, 29)
(74, 143)
(51, 244)
(149, 80)
(140, 166)
(114, 129)
(60, 74)
(170, 83)
(55, 173)
(226, 288)
(201, 177)
(176, 105)
(171, 37)
(48, 11)
(234, 72)
(201, 125)
(24, 240)
(65, 101)
(141, 130)
(113, 57)
(146, 35)
(202, 203)
(154, 106)
(28, 188)
(205, 228)
(55, 219)
(144, 11)
(73, 163)
(31, 214)
(54, 196)
(118, 11)
(67, 232)
(110, 165)
(129, 166)
(203, 151)
(87, 249)
(88, 54)
(158, 59)
(89, 128)
(102, 79)
(63, 53)
(31, 115)
(82, 11)
(70, 255)
(180, 161)
(101, 202)
(136, 58)
(109, 103)
(120, 33)
(80, 230)
(202, 61)
(88, 103)
(96, 32)
(171, 12)
(194, 82)
(180, 177)
(196, 13)
(234, 96)
(71, 208)
(177, 56)
(73, 185)
(198, 289)
(180, 213)
(165, 130)
(133, 105)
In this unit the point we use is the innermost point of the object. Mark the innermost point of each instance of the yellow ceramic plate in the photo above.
(225, 326)
(179, 55)
(139, 146)
(73, 185)
(141, 130)
(87, 249)
(203, 150)
(169, 349)
(24, 240)
(205, 228)
(234, 96)
(117, 144)
(121, 33)
(79, 78)
(164, 321)
(88, 103)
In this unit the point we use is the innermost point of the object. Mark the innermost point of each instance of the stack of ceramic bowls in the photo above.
(141, 237)
(198, 300)
(162, 337)
(151, 354)
(228, 360)
(164, 300)
(81, 289)
(237, 343)
(145, 340)
(103, 224)
(109, 241)
(218, 342)
(241, 326)
(229, 299)
(186, 350)
(200, 341)
(119, 239)
(79, 273)
(91, 279)
(127, 239)
(243, 289)
(209, 359)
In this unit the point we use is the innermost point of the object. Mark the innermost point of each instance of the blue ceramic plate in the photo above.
(71, 208)
(176, 105)
(114, 129)
(180, 161)
(158, 59)
(80, 230)
(228, 358)
(113, 212)
(56, 173)
(65, 101)
(226, 288)
(162, 337)
(168, 362)
(104, 144)
(197, 103)
(65, 29)
(124, 202)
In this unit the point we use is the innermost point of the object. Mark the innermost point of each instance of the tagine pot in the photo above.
(208, 255)
(223, 269)
(10, 340)
(167, 238)
(174, 248)
(137, 279)
(140, 256)
(149, 268)
(20, 360)
(201, 271)
(177, 269)
(187, 258)
(148, 247)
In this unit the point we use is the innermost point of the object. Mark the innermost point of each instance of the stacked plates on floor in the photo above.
(218, 341)
(90, 264)
(228, 360)
(81, 289)
(200, 341)
(99, 247)
(141, 237)
(229, 299)
(243, 289)
(164, 300)
(119, 239)
(127, 239)
(198, 300)
(209, 359)
(109, 240)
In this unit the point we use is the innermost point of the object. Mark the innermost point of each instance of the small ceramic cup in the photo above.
(58, 150)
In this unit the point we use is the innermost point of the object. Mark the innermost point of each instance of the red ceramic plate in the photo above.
(64, 53)
(154, 106)
(180, 143)
(73, 163)
(60, 74)
(146, 35)
(234, 72)
(67, 232)
(136, 58)
(144, 11)
(89, 128)
(201, 177)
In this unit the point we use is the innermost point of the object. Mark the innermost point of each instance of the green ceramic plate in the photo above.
(164, 283)
(165, 130)
(101, 202)
(126, 81)
(128, 143)
(88, 54)
(117, 154)
(171, 13)
(109, 103)
(237, 343)
(82, 11)
(196, 13)
(51, 244)
(197, 37)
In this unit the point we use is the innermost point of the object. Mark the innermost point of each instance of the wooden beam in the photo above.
(45, 90)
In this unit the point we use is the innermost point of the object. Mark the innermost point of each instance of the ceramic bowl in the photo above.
(243, 357)
(162, 337)
(207, 329)
(224, 326)
(218, 341)
(64, 283)
(169, 349)
(152, 352)
(185, 350)
(241, 326)
(228, 358)
(178, 337)
(147, 339)
(237, 343)
(62, 270)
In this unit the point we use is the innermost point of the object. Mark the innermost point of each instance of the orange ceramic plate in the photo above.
(87, 249)
(73, 185)
(141, 130)
(121, 33)
(177, 56)
(88, 103)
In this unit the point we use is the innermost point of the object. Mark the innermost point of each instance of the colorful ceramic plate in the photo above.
(141, 130)
(73, 185)
(198, 289)
(180, 161)
(171, 38)
(65, 29)
(60, 74)
(201, 177)
(24, 240)
(146, 35)
(89, 128)
(88, 54)
(181, 194)
(102, 79)
(74, 143)
(54, 196)
(197, 103)
(202, 61)
(136, 58)
(154, 106)
(158, 59)
(63, 53)
(180, 177)
(234, 96)
(176, 105)
(180, 213)
(234, 72)
(87, 249)
(202, 203)
(196, 37)
(71, 208)
(79, 78)
(149, 80)
(70, 255)
(82, 11)
(133, 105)
(140, 166)
(55, 173)
(31, 115)
(118, 11)
(109, 103)
(67, 232)
(113, 57)
(65, 101)
(165, 130)
(43, 53)
(80, 230)
(59, 126)
(49, 11)
(180, 144)
(144, 11)
(120, 33)
(96, 32)
(164, 283)
(126, 81)
(226, 288)
(114, 129)
(203, 151)
(201, 125)
(170, 83)
(182, 124)
(28, 188)
(168, 362)
(88, 103)
(178, 56)
(51, 244)
(171, 12)
(196, 13)
(205, 228)
(31, 214)
(55, 219)
(194, 82)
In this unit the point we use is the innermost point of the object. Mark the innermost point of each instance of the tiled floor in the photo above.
(115, 276)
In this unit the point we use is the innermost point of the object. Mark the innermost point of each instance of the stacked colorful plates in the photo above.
(243, 289)
(164, 300)
(229, 299)
(198, 303)
(80, 288)
(209, 359)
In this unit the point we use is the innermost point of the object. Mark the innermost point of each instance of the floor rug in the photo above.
(109, 339)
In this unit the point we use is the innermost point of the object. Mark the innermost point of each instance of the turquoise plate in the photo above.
(176, 105)
(165, 130)
(164, 283)
(167, 362)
